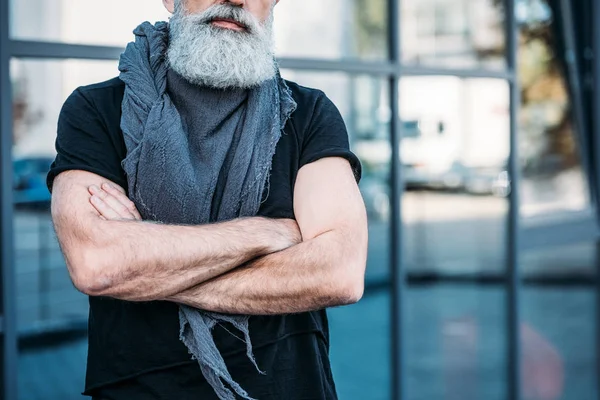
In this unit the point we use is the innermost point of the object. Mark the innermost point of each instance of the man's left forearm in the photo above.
(322, 272)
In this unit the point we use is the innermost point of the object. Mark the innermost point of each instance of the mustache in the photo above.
(224, 11)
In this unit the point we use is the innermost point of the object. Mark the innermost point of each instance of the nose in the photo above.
(236, 3)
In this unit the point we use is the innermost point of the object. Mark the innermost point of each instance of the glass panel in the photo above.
(332, 29)
(456, 343)
(453, 33)
(363, 371)
(558, 331)
(560, 263)
(552, 175)
(454, 152)
(107, 22)
(341, 29)
(47, 303)
(454, 149)
(360, 348)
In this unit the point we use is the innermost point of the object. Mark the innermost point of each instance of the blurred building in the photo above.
(476, 122)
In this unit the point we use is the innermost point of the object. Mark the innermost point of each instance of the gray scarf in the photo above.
(173, 174)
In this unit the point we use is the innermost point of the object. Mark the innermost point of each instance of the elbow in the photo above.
(349, 284)
(92, 285)
(88, 273)
(350, 272)
(354, 288)
(351, 293)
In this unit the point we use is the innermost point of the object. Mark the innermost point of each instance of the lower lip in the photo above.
(227, 25)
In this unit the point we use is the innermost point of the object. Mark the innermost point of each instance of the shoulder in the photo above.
(103, 97)
(103, 89)
(102, 100)
(306, 98)
(92, 112)
(313, 105)
(101, 94)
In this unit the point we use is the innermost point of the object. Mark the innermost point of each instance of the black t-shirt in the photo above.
(135, 347)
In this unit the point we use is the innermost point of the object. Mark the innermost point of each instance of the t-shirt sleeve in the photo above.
(83, 142)
(327, 136)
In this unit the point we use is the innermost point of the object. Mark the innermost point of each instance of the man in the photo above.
(210, 211)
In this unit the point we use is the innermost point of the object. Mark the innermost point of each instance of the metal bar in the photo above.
(398, 293)
(8, 347)
(597, 288)
(32, 49)
(346, 66)
(495, 279)
(596, 143)
(462, 73)
(513, 231)
(596, 103)
(571, 61)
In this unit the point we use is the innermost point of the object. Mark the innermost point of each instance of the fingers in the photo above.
(104, 209)
(123, 199)
(110, 206)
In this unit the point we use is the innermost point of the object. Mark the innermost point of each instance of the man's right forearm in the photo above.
(142, 261)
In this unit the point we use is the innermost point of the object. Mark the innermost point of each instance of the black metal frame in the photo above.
(8, 326)
(596, 164)
(513, 231)
(398, 292)
(393, 70)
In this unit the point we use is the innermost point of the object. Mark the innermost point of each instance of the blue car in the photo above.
(29, 182)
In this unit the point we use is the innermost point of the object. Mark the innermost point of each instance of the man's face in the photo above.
(260, 9)
(222, 43)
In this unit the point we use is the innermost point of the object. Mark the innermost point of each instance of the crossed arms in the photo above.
(251, 266)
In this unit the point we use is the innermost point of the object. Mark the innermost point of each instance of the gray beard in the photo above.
(220, 58)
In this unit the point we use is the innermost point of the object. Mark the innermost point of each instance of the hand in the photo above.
(112, 203)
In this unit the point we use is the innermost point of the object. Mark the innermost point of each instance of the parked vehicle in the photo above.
(29, 182)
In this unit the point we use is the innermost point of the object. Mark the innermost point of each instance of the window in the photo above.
(454, 154)
(46, 300)
(453, 33)
(553, 179)
(106, 22)
(342, 29)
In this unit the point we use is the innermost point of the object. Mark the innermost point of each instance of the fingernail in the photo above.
(94, 188)
(107, 186)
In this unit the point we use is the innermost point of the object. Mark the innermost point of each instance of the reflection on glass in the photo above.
(362, 371)
(453, 33)
(39, 90)
(360, 347)
(562, 262)
(552, 176)
(454, 152)
(107, 22)
(46, 300)
(456, 343)
(332, 29)
(558, 330)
